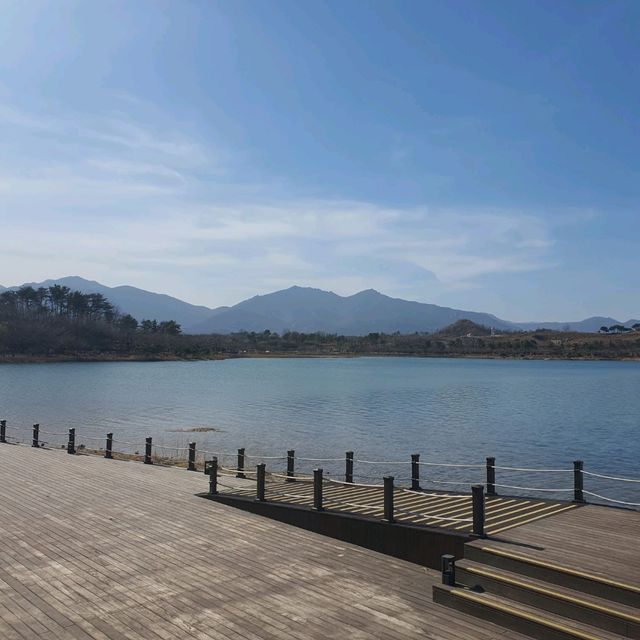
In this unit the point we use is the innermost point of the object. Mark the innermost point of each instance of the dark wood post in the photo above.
(148, 446)
(291, 461)
(71, 444)
(415, 471)
(578, 481)
(491, 476)
(448, 563)
(36, 436)
(3, 430)
(317, 490)
(388, 499)
(191, 465)
(108, 451)
(211, 469)
(477, 498)
(240, 465)
(348, 472)
(260, 487)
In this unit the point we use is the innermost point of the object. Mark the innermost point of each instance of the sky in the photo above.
(484, 156)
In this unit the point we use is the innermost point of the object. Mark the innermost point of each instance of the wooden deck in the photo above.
(450, 511)
(111, 550)
(600, 540)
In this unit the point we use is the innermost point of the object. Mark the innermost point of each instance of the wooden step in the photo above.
(517, 617)
(575, 605)
(570, 577)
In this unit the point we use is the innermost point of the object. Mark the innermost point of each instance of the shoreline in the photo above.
(94, 358)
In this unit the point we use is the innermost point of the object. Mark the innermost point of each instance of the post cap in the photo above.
(209, 466)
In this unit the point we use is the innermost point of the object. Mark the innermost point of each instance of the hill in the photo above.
(463, 328)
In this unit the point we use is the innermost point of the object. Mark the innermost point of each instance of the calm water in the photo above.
(525, 413)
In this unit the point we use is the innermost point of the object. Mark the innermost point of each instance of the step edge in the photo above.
(486, 601)
(627, 617)
(559, 568)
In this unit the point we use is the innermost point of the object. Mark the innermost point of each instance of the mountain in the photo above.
(138, 302)
(307, 310)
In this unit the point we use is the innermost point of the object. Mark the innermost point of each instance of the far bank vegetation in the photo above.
(56, 323)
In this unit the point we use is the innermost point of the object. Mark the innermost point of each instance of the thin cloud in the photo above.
(110, 198)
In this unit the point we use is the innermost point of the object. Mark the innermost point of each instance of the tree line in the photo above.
(56, 320)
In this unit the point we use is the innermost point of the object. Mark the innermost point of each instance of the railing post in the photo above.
(477, 498)
(578, 481)
(148, 446)
(108, 450)
(191, 465)
(448, 563)
(415, 471)
(291, 460)
(36, 436)
(260, 486)
(240, 465)
(211, 469)
(491, 476)
(3, 430)
(317, 490)
(71, 444)
(348, 472)
(388, 499)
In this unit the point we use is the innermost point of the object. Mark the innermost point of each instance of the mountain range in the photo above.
(307, 310)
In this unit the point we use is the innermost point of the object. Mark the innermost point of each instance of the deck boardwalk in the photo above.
(113, 550)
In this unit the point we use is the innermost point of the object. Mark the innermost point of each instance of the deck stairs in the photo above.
(540, 599)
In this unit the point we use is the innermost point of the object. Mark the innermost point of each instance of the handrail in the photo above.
(493, 466)
(446, 464)
(508, 486)
(596, 495)
(599, 475)
(378, 462)
(354, 484)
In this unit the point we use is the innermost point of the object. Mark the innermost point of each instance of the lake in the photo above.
(525, 413)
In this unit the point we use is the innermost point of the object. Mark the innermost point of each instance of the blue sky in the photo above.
(477, 155)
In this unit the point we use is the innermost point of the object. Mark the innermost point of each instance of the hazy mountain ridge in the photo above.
(588, 325)
(306, 310)
(138, 302)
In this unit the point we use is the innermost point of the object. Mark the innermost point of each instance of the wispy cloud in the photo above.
(117, 200)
